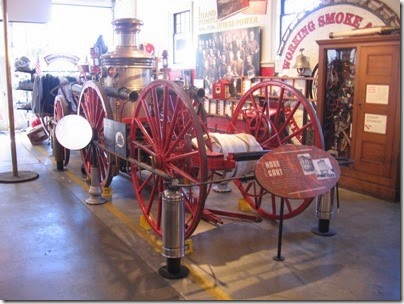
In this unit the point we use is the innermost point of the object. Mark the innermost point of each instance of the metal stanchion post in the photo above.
(324, 212)
(173, 233)
(95, 189)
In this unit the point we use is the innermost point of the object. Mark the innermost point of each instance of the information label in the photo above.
(377, 94)
(375, 123)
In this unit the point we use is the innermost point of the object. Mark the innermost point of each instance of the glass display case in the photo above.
(339, 99)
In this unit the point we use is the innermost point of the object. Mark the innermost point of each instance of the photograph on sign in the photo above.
(306, 163)
(323, 168)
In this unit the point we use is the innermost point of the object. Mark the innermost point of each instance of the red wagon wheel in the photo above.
(59, 111)
(167, 136)
(94, 106)
(276, 114)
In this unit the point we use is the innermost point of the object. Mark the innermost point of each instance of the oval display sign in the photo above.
(73, 132)
(297, 171)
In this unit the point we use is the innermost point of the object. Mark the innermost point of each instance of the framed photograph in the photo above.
(227, 8)
(228, 55)
(256, 7)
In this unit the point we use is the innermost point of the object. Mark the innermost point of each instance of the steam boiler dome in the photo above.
(126, 51)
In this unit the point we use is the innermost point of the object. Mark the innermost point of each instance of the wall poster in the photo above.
(228, 55)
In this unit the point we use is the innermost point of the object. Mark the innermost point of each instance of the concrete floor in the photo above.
(54, 246)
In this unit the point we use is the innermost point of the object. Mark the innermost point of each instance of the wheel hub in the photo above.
(157, 161)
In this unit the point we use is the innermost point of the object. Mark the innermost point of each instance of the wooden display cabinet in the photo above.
(358, 104)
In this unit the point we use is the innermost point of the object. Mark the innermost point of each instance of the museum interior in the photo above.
(200, 150)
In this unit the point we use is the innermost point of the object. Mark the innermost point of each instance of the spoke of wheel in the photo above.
(179, 138)
(177, 158)
(146, 136)
(173, 125)
(279, 107)
(190, 208)
(181, 172)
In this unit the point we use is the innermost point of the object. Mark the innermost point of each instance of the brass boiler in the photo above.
(126, 66)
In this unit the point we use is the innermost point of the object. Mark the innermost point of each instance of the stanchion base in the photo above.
(96, 201)
(330, 232)
(323, 228)
(182, 273)
(22, 176)
(278, 258)
(60, 170)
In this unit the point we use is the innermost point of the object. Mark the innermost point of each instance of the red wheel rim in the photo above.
(94, 106)
(165, 132)
(276, 114)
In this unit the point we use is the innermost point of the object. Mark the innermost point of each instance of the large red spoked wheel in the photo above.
(60, 109)
(167, 136)
(276, 114)
(94, 107)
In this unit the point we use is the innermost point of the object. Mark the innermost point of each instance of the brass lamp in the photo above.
(302, 63)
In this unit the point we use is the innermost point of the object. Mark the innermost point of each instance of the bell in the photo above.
(302, 63)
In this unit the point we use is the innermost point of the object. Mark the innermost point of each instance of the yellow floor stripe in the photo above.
(214, 291)
(156, 243)
(204, 283)
(43, 151)
(83, 184)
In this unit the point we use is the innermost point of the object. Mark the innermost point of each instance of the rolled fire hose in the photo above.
(233, 143)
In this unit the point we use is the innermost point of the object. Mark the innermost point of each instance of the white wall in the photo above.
(157, 20)
(157, 14)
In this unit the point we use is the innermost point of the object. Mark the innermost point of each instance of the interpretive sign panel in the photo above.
(297, 171)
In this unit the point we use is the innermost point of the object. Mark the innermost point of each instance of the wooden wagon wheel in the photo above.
(94, 105)
(276, 114)
(167, 135)
(59, 111)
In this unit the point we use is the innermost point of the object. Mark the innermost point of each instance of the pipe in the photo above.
(365, 31)
(244, 156)
(196, 93)
(122, 92)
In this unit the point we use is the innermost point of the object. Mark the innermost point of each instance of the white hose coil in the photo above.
(233, 143)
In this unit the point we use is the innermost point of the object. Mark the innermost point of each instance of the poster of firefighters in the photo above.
(228, 55)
